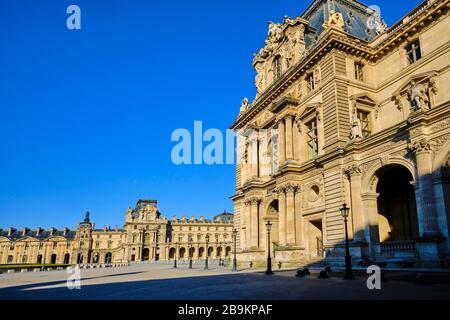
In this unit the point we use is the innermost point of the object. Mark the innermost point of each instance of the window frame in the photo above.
(413, 53)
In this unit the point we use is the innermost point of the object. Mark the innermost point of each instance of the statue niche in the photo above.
(419, 92)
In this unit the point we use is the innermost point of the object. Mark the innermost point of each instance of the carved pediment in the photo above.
(364, 99)
(312, 109)
(417, 91)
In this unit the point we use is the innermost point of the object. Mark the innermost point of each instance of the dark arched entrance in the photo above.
(397, 213)
(53, 259)
(108, 257)
(172, 252)
(39, 258)
(66, 258)
(145, 254)
(182, 253)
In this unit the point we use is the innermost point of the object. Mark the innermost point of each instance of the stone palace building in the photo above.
(147, 236)
(349, 111)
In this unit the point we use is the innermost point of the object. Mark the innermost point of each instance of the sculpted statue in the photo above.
(245, 105)
(335, 19)
(381, 27)
(418, 97)
(259, 79)
(275, 32)
(356, 131)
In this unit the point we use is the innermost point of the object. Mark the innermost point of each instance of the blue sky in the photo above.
(86, 116)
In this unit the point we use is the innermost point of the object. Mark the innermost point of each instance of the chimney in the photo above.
(66, 231)
(11, 231)
(52, 231)
(105, 227)
(39, 231)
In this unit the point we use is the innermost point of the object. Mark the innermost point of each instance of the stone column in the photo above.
(281, 216)
(353, 174)
(254, 154)
(299, 223)
(290, 214)
(248, 226)
(424, 163)
(254, 222)
(370, 207)
(297, 139)
(289, 138)
(281, 141)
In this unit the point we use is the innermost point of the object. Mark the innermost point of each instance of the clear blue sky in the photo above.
(86, 116)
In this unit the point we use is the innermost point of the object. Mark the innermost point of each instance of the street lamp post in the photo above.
(207, 251)
(269, 259)
(348, 259)
(176, 253)
(235, 232)
(190, 252)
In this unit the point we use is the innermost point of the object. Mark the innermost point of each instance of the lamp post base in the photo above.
(348, 269)
(269, 266)
(234, 265)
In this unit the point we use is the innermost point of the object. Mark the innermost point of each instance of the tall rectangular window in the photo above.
(312, 139)
(365, 122)
(359, 71)
(413, 52)
(277, 67)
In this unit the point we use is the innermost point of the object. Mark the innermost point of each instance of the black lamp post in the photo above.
(269, 259)
(207, 251)
(348, 259)
(176, 253)
(235, 232)
(190, 252)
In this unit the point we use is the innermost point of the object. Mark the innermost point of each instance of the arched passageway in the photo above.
(146, 254)
(397, 213)
(108, 257)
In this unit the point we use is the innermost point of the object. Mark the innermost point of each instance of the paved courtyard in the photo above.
(155, 282)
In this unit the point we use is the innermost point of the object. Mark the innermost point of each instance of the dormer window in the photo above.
(277, 67)
(413, 52)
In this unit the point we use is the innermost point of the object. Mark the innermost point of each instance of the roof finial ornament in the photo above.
(86, 217)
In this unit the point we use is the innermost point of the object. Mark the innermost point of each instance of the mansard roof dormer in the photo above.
(283, 48)
(351, 16)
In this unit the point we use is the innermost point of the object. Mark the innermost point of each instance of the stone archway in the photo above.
(146, 254)
(396, 204)
(108, 257)
(272, 215)
(172, 253)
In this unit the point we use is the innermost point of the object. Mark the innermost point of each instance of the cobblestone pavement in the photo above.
(155, 282)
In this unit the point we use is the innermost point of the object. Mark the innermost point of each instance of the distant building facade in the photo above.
(147, 236)
(348, 111)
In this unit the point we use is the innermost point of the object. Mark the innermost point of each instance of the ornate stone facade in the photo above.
(147, 236)
(353, 112)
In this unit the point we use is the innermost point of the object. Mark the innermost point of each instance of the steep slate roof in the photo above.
(352, 11)
(44, 235)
